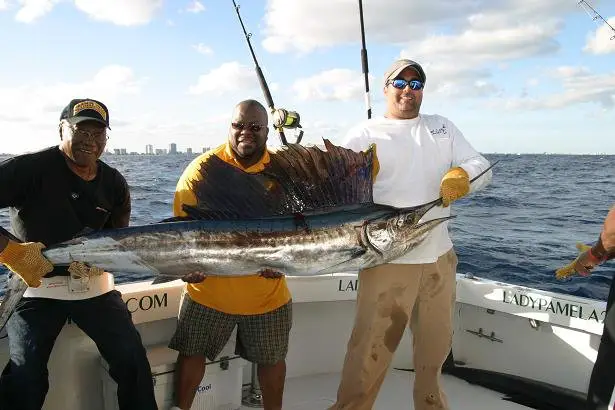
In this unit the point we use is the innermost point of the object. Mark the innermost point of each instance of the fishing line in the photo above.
(594, 15)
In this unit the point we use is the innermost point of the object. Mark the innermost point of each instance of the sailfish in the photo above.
(308, 212)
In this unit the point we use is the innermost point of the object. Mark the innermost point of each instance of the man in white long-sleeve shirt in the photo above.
(419, 158)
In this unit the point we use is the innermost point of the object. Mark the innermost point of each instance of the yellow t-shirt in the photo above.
(242, 295)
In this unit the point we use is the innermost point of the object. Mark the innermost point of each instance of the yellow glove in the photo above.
(27, 261)
(80, 270)
(577, 265)
(455, 184)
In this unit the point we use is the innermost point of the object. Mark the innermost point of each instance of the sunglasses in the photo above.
(98, 136)
(401, 84)
(251, 126)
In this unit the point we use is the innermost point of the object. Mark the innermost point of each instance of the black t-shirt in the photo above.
(50, 204)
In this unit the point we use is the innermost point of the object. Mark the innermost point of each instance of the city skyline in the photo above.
(150, 149)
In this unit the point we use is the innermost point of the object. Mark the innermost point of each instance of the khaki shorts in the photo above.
(261, 338)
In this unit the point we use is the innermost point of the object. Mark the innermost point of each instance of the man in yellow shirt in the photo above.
(259, 305)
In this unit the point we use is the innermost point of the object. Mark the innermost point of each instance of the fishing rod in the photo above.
(364, 66)
(594, 15)
(281, 118)
(484, 172)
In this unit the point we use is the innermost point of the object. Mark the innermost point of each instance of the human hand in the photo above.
(27, 261)
(270, 273)
(194, 277)
(454, 185)
(583, 264)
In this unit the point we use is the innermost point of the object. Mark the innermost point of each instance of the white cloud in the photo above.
(228, 77)
(120, 12)
(337, 84)
(30, 112)
(482, 45)
(459, 42)
(564, 72)
(579, 87)
(602, 41)
(116, 80)
(316, 131)
(32, 10)
(304, 25)
(46, 101)
(202, 49)
(195, 7)
(459, 64)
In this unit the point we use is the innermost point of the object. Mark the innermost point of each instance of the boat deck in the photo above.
(318, 392)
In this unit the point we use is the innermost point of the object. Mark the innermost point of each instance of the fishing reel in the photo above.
(287, 119)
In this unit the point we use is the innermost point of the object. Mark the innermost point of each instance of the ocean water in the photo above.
(519, 229)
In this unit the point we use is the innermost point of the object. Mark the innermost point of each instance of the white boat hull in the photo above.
(498, 327)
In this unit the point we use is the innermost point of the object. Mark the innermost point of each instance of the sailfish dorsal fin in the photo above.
(296, 179)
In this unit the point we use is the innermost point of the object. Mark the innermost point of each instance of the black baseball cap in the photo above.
(85, 109)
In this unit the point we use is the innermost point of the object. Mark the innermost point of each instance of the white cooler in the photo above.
(220, 389)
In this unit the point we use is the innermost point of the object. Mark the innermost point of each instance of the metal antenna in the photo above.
(594, 15)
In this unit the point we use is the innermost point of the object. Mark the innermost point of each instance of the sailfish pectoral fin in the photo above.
(420, 232)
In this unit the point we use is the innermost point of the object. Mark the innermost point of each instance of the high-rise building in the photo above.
(189, 151)
(149, 149)
(172, 148)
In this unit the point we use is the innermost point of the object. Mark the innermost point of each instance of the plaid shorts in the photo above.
(261, 338)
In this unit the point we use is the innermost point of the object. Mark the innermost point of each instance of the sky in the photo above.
(515, 76)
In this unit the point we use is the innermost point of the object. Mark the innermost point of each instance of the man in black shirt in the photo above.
(54, 195)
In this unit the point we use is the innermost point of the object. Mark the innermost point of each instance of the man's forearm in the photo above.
(607, 235)
(604, 248)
